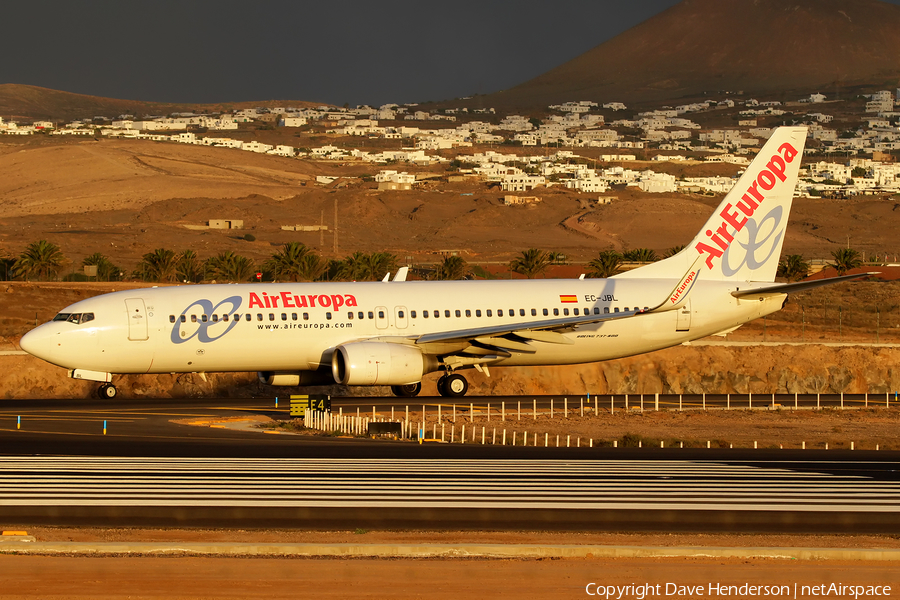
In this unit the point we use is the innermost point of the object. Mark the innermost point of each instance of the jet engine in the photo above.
(379, 363)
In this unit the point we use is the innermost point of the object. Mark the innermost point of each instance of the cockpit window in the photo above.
(76, 318)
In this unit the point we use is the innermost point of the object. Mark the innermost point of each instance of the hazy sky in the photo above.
(337, 52)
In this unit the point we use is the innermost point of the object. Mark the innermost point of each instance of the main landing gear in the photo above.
(452, 386)
(107, 390)
(410, 390)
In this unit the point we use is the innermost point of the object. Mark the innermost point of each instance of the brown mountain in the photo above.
(758, 46)
(33, 102)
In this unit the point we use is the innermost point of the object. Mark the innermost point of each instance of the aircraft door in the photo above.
(401, 317)
(137, 319)
(381, 317)
(684, 317)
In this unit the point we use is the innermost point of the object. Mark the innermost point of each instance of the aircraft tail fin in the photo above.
(742, 239)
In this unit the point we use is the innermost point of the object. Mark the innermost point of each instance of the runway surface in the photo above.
(530, 494)
(60, 468)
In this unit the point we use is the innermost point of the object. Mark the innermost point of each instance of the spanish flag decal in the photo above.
(568, 299)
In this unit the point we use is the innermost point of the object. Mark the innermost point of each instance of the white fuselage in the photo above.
(297, 326)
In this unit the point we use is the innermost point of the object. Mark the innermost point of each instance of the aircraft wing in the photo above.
(548, 330)
(787, 288)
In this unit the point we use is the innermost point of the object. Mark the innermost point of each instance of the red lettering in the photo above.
(732, 219)
(755, 193)
(789, 152)
(350, 300)
(266, 298)
(286, 300)
(312, 301)
(719, 242)
(712, 252)
(324, 301)
(337, 301)
(723, 231)
(777, 166)
(255, 301)
(747, 205)
(300, 301)
(275, 300)
(766, 180)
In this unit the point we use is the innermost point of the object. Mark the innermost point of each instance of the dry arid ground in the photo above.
(124, 198)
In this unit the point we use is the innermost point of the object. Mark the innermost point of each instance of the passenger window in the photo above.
(380, 314)
(488, 312)
(566, 312)
(183, 319)
(306, 316)
(447, 314)
(400, 314)
(457, 314)
(371, 315)
(477, 313)
(617, 309)
(204, 318)
(499, 312)
(360, 315)
(225, 318)
(555, 312)
(437, 314)
(533, 312)
(412, 314)
(468, 313)
(248, 317)
(215, 318)
(328, 316)
(294, 316)
(171, 318)
(626, 309)
(350, 315)
(646, 308)
(596, 310)
(546, 312)
(284, 316)
(605, 310)
(575, 311)
(521, 312)
(259, 316)
(425, 313)
(271, 316)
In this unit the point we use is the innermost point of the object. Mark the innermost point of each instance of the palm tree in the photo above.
(296, 262)
(7, 264)
(189, 267)
(793, 268)
(530, 263)
(106, 271)
(642, 255)
(607, 264)
(367, 267)
(40, 259)
(674, 250)
(160, 265)
(452, 267)
(845, 259)
(231, 267)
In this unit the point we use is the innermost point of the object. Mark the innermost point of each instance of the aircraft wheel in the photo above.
(410, 390)
(454, 386)
(107, 390)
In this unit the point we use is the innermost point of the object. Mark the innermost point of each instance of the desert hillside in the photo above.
(700, 47)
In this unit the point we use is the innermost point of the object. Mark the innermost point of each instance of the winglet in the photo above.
(679, 294)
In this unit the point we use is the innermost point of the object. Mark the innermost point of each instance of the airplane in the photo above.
(393, 333)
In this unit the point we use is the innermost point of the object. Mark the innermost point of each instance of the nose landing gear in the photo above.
(107, 391)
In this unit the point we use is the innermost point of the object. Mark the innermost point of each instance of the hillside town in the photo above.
(855, 150)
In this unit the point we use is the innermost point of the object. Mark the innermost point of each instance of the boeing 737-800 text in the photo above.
(394, 332)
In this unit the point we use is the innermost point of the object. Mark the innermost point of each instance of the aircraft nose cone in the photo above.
(37, 342)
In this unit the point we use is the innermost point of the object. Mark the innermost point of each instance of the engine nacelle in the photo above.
(296, 378)
(379, 363)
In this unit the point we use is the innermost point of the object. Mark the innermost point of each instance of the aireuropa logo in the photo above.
(770, 238)
(207, 330)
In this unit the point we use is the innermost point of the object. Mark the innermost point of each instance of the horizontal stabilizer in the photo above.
(787, 288)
